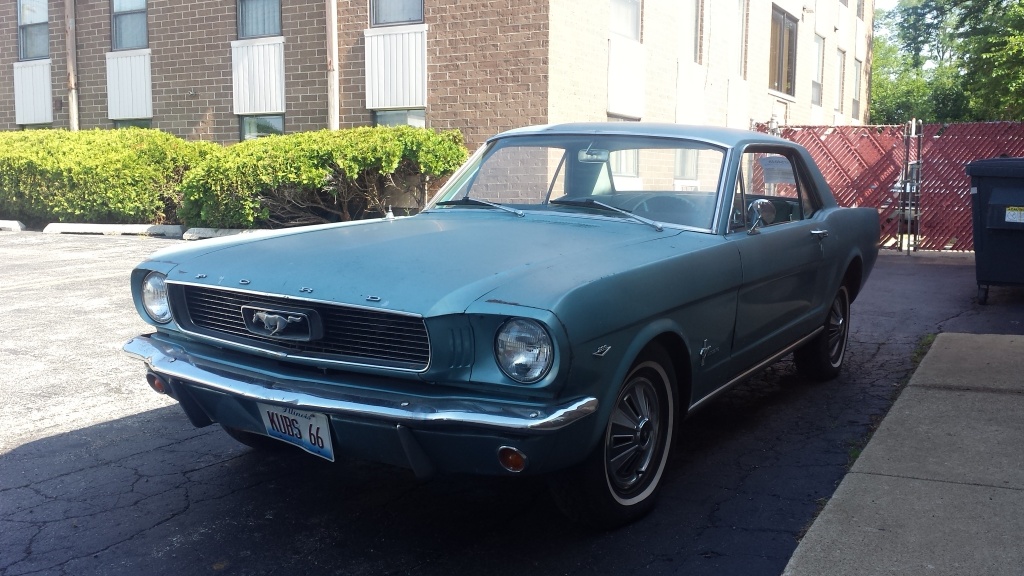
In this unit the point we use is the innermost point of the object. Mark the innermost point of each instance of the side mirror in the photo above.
(762, 212)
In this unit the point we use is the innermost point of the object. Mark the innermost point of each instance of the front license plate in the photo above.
(310, 431)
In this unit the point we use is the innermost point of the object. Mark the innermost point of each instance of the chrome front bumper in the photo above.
(172, 360)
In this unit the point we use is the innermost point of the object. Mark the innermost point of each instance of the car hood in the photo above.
(429, 264)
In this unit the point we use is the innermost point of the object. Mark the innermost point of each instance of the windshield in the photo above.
(667, 180)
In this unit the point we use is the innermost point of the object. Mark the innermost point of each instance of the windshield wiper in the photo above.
(467, 201)
(590, 202)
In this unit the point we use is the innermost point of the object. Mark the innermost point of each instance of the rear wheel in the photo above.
(620, 480)
(822, 357)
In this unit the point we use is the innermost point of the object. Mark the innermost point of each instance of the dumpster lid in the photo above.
(998, 167)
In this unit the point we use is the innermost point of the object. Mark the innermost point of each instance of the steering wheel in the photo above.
(667, 207)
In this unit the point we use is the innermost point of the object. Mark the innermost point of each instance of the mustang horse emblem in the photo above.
(275, 322)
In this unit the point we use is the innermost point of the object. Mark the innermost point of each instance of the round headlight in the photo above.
(523, 350)
(154, 297)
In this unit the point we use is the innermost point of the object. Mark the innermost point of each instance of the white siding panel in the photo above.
(129, 85)
(689, 102)
(862, 41)
(396, 67)
(258, 74)
(627, 74)
(739, 104)
(33, 96)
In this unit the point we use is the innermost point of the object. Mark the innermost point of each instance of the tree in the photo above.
(992, 32)
(949, 61)
(899, 91)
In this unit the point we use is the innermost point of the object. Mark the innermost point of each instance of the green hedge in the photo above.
(110, 176)
(147, 176)
(315, 177)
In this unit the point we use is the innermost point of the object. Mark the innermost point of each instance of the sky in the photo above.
(884, 4)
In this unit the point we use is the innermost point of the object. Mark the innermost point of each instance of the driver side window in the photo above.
(768, 179)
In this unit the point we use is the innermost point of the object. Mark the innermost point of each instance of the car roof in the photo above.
(729, 137)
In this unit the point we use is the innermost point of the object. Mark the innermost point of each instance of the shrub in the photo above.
(315, 177)
(138, 176)
(111, 176)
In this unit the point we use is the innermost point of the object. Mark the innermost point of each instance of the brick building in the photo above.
(224, 70)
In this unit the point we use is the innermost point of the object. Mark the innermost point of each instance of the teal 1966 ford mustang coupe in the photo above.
(566, 298)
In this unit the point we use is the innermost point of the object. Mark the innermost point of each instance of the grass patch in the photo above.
(922, 348)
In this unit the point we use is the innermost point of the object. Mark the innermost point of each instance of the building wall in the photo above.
(353, 19)
(8, 55)
(190, 44)
(578, 62)
(714, 92)
(488, 65)
(491, 66)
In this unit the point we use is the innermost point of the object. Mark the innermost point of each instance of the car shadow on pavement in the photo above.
(149, 493)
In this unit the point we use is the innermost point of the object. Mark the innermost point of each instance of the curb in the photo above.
(115, 229)
(166, 231)
(203, 233)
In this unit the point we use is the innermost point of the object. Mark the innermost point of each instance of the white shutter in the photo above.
(129, 84)
(627, 77)
(396, 67)
(258, 74)
(33, 94)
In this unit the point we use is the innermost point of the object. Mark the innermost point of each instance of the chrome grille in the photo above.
(351, 334)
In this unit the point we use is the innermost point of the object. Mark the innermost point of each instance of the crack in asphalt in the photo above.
(940, 481)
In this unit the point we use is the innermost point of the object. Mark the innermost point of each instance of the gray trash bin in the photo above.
(997, 209)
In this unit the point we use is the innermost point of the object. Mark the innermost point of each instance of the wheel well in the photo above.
(853, 277)
(680, 355)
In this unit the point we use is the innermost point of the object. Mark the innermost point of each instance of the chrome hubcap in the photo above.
(837, 328)
(633, 434)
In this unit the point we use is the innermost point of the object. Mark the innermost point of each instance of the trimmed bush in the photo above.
(127, 176)
(316, 177)
(138, 176)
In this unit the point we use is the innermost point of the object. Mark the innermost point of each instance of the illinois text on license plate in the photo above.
(307, 430)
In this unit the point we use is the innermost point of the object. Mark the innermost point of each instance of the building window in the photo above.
(819, 70)
(395, 12)
(626, 20)
(860, 9)
(257, 126)
(413, 117)
(129, 25)
(782, 53)
(259, 18)
(33, 29)
(134, 123)
(840, 78)
(858, 68)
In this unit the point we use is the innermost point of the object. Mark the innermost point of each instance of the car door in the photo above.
(781, 252)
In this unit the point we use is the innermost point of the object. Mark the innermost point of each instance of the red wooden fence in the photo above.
(862, 163)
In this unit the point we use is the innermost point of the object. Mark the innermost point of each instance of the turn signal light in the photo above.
(156, 383)
(512, 459)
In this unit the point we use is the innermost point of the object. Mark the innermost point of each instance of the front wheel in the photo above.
(822, 357)
(620, 480)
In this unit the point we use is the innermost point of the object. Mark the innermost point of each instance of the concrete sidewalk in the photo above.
(939, 489)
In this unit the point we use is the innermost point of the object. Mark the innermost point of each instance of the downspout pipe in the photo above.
(333, 80)
(71, 47)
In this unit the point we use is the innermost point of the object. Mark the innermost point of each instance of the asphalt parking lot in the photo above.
(99, 475)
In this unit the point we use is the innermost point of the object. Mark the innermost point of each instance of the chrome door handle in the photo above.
(819, 234)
